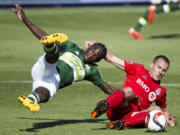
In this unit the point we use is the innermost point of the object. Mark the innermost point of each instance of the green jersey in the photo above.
(72, 68)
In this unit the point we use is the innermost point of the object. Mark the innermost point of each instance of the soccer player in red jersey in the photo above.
(130, 105)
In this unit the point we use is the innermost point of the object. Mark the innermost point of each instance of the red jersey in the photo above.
(139, 79)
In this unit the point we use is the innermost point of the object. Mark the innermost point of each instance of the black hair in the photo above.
(161, 57)
(103, 49)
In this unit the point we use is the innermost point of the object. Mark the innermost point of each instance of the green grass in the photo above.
(68, 113)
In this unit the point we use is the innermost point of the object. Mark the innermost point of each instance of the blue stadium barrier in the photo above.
(70, 3)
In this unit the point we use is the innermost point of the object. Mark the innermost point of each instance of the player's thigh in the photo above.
(42, 69)
(137, 119)
(51, 83)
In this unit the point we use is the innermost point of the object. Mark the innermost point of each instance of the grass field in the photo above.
(68, 113)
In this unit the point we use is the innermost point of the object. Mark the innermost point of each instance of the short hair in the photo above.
(161, 57)
(103, 49)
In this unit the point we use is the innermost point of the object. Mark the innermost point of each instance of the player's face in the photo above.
(158, 69)
(92, 54)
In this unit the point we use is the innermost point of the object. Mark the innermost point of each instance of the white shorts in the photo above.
(45, 75)
(160, 1)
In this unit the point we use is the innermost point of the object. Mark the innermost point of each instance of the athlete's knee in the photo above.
(43, 93)
(156, 108)
(53, 58)
(128, 92)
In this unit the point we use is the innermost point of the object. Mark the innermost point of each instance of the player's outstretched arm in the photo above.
(39, 33)
(111, 58)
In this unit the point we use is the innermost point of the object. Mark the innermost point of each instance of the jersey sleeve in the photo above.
(96, 78)
(131, 67)
(162, 100)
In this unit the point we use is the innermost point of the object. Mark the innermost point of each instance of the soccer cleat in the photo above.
(118, 124)
(54, 38)
(135, 34)
(101, 107)
(31, 105)
(152, 14)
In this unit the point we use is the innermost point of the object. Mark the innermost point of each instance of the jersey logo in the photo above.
(158, 91)
(152, 96)
(143, 85)
(145, 77)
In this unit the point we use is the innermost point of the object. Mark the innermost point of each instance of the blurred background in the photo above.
(64, 3)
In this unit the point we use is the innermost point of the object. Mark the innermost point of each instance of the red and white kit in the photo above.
(139, 79)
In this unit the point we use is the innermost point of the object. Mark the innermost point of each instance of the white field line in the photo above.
(85, 82)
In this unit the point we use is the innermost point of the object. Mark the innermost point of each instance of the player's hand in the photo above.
(139, 99)
(19, 12)
(89, 43)
(172, 121)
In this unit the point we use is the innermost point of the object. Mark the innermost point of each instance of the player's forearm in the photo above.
(170, 122)
(108, 89)
(39, 33)
(166, 112)
(111, 58)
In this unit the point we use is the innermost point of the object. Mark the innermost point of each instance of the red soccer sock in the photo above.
(137, 119)
(115, 99)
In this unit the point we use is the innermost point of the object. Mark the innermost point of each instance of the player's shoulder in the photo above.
(69, 44)
(139, 67)
(93, 68)
(161, 90)
(133, 64)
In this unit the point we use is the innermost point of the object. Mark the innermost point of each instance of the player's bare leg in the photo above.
(118, 98)
(31, 102)
(49, 45)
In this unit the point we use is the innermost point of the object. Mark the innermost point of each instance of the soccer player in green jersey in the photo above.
(63, 63)
(156, 8)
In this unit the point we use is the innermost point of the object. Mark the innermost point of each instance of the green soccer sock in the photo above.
(34, 97)
(138, 26)
(142, 21)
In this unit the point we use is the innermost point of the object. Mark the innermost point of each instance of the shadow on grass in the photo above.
(169, 36)
(147, 131)
(56, 122)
